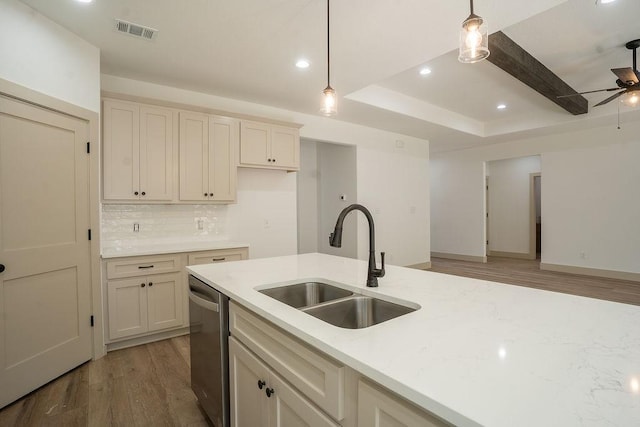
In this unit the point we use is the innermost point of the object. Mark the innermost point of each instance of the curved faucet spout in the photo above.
(335, 240)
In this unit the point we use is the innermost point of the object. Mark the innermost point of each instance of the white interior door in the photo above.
(44, 220)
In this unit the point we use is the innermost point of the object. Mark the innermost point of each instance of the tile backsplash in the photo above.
(162, 223)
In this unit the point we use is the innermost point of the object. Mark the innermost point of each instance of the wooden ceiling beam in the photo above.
(508, 55)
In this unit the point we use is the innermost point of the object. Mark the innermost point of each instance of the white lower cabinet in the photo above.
(259, 397)
(144, 304)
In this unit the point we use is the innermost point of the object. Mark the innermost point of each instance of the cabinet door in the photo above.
(121, 150)
(378, 407)
(223, 140)
(127, 300)
(156, 154)
(255, 143)
(194, 161)
(285, 145)
(248, 401)
(164, 301)
(289, 408)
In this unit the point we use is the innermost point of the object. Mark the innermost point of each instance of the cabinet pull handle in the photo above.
(142, 285)
(261, 384)
(145, 266)
(218, 259)
(270, 391)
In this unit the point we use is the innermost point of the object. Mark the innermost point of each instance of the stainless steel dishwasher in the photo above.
(209, 334)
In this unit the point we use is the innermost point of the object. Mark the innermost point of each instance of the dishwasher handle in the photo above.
(207, 305)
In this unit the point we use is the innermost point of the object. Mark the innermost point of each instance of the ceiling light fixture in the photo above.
(329, 98)
(501, 106)
(474, 39)
(84, 1)
(425, 71)
(631, 100)
(604, 1)
(302, 63)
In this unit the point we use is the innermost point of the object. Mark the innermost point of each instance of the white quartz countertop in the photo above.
(476, 352)
(167, 247)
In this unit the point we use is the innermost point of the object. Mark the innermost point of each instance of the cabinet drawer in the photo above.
(319, 377)
(220, 255)
(142, 266)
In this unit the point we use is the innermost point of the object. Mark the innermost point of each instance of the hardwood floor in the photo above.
(147, 385)
(527, 273)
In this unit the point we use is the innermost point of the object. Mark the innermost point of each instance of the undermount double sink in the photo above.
(337, 306)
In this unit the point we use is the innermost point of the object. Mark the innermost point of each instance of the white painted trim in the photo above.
(420, 266)
(517, 255)
(145, 339)
(459, 257)
(19, 92)
(587, 271)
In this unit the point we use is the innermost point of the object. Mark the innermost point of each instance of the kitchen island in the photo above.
(475, 353)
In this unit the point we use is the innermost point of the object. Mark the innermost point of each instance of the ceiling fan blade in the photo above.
(590, 91)
(626, 75)
(611, 98)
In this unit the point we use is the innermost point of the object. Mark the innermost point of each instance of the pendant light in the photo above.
(474, 39)
(329, 98)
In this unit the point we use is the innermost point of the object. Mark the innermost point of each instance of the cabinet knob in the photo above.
(144, 194)
(135, 193)
(150, 284)
(210, 194)
(205, 194)
(269, 391)
(261, 384)
(142, 285)
(273, 160)
(1, 268)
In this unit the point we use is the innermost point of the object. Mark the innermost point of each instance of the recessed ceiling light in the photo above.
(501, 106)
(302, 63)
(84, 1)
(425, 71)
(604, 1)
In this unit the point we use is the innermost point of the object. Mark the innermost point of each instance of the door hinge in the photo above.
(88, 147)
(89, 233)
(487, 242)
(91, 319)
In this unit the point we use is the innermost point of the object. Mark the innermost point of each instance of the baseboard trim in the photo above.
(420, 266)
(459, 257)
(125, 343)
(586, 271)
(517, 255)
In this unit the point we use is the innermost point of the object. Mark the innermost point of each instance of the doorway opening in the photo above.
(535, 220)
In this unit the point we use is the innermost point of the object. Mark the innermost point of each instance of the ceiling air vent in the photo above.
(135, 30)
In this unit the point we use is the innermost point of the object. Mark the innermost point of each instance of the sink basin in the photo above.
(306, 294)
(358, 312)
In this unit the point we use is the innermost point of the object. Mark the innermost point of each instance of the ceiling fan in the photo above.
(628, 78)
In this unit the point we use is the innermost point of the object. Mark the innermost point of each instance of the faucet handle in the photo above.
(380, 272)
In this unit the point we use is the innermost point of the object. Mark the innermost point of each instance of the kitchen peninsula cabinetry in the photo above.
(138, 155)
(269, 146)
(207, 158)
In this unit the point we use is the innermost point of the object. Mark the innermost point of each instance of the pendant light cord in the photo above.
(328, 50)
(471, 6)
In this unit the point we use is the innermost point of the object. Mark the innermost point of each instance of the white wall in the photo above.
(602, 155)
(307, 196)
(337, 167)
(385, 172)
(37, 53)
(509, 203)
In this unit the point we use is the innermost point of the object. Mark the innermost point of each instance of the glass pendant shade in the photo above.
(631, 99)
(474, 40)
(329, 102)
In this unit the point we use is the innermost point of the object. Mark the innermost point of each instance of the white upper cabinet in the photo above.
(138, 152)
(269, 146)
(207, 157)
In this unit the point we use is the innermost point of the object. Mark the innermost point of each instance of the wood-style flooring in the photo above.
(147, 385)
(527, 273)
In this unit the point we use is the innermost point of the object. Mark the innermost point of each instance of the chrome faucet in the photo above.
(335, 240)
